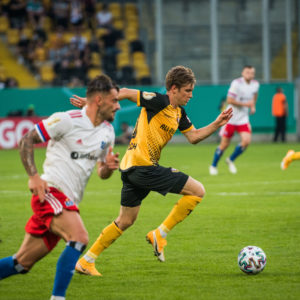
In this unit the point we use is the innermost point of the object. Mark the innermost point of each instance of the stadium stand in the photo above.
(68, 42)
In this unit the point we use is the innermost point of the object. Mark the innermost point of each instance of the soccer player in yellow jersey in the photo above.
(160, 117)
(289, 157)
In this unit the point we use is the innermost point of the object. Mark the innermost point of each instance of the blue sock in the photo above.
(10, 266)
(237, 151)
(65, 267)
(217, 156)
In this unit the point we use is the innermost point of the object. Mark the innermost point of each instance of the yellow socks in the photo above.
(296, 156)
(105, 239)
(180, 211)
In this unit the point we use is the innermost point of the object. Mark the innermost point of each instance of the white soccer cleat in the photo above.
(213, 170)
(231, 166)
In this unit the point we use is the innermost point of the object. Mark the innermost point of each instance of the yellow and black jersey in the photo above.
(155, 126)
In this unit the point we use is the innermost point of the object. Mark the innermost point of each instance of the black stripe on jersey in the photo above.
(154, 105)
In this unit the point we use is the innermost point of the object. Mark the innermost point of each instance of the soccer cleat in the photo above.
(158, 243)
(84, 267)
(231, 166)
(213, 170)
(287, 160)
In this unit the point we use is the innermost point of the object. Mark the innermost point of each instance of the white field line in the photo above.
(238, 183)
(229, 194)
(4, 177)
(225, 194)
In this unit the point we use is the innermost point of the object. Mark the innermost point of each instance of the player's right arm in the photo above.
(53, 127)
(36, 185)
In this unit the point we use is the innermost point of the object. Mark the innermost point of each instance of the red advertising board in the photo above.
(12, 130)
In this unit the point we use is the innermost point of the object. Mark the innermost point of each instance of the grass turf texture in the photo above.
(260, 205)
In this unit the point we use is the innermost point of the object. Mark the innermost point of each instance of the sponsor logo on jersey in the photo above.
(167, 128)
(174, 170)
(148, 95)
(68, 202)
(79, 142)
(132, 146)
(78, 155)
(53, 121)
(103, 144)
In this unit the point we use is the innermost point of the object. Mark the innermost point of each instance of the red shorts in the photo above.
(229, 129)
(39, 223)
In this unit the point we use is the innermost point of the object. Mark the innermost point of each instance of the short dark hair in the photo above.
(179, 76)
(102, 84)
(248, 67)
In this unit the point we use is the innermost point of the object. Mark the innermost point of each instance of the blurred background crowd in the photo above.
(68, 42)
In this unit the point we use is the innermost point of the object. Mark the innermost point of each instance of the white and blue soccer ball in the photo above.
(252, 260)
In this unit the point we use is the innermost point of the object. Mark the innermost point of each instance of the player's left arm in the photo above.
(77, 101)
(194, 135)
(105, 169)
(253, 107)
(124, 93)
(130, 94)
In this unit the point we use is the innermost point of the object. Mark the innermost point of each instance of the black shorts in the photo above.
(140, 181)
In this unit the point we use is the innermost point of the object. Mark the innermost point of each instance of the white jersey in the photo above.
(74, 148)
(241, 91)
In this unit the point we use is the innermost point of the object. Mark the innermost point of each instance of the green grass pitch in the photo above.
(260, 206)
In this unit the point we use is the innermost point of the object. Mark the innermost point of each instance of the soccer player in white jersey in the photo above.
(78, 141)
(242, 97)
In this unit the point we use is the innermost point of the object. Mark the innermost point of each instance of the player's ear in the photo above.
(98, 98)
(174, 88)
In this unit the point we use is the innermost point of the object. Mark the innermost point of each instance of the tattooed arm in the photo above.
(26, 147)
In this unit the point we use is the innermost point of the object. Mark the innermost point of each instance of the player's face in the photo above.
(248, 74)
(109, 105)
(184, 94)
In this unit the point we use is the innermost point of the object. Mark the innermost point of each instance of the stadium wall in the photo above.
(202, 109)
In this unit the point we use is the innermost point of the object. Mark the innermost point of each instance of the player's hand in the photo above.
(224, 116)
(38, 186)
(249, 103)
(252, 110)
(78, 101)
(112, 160)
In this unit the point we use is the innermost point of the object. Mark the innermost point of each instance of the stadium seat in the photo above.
(87, 34)
(142, 71)
(130, 7)
(96, 59)
(47, 74)
(100, 32)
(28, 32)
(47, 24)
(4, 24)
(13, 36)
(123, 46)
(93, 72)
(99, 6)
(138, 56)
(118, 24)
(123, 60)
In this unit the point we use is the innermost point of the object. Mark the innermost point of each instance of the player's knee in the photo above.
(245, 144)
(124, 223)
(21, 265)
(81, 236)
(200, 190)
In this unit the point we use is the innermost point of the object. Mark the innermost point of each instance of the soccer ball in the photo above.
(252, 260)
